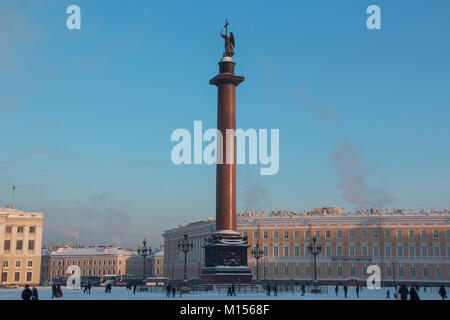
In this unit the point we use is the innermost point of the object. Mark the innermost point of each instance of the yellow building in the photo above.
(20, 246)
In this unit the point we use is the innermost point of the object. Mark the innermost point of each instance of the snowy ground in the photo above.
(120, 293)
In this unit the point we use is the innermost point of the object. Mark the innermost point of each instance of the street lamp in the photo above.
(257, 253)
(315, 249)
(144, 252)
(185, 246)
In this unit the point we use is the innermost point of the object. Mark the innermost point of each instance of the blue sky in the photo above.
(86, 115)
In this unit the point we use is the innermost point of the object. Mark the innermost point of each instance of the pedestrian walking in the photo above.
(229, 291)
(58, 293)
(134, 289)
(89, 286)
(345, 290)
(268, 289)
(26, 293)
(357, 291)
(174, 291)
(336, 290)
(413, 295)
(168, 290)
(443, 292)
(275, 290)
(34, 294)
(303, 289)
(388, 294)
(403, 292)
(233, 291)
(53, 290)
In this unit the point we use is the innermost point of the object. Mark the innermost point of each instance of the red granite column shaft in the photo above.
(226, 83)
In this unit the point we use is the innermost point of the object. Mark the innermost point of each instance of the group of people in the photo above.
(28, 294)
(269, 288)
(231, 290)
(402, 292)
(345, 288)
(171, 290)
(56, 291)
(87, 287)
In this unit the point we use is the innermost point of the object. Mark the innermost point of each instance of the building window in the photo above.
(413, 272)
(30, 263)
(20, 229)
(307, 234)
(412, 250)
(387, 250)
(363, 233)
(424, 251)
(437, 251)
(399, 234)
(352, 271)
(339, 250)
(387, 234)
(265, 234)
(438, 272)
(351, 234)
(297, 270)
(4, 276)
(425, 272)
(447, 234)
(32, 229)
(275, 250)
(411, 234)
(286, 271)
(376, 251)
(423, 234)
(307, 271)
(364, 250)
(297, 251)
(296, 234)
(8, 229)
(245, 234)
(255, 235)
(329, 271)
(29, 276)
(401, 272)
(375, 234)
(275, 271)
(389, 271)
(17, 276)
(435, 233)
(339, 234)
(327, 234)
(31, 245)
(19, 245)
(339, 271)
(400, 251)
(265, 251)
(286, 234)
(328, 251)
(351, 250)
(317, 234)
(275, 234)
(5, 263)
(286, 251)
(7, 245)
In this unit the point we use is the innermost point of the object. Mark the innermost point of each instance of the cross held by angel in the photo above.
(229, 41)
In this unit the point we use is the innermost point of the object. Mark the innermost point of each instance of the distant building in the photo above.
(20, 246)
(102, 260)
(409, 247)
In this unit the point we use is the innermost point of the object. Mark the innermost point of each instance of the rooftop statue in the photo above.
(229, 41)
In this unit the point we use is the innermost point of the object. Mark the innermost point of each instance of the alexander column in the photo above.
(225, 249)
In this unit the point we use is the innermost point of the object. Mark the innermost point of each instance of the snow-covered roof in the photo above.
(93, 251)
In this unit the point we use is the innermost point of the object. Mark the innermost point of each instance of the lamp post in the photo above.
(144, 252)
(315, 249)
(257, 253)
(185, 246)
